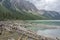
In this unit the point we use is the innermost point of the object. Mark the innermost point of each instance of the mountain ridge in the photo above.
(9, 12)
(28, 10)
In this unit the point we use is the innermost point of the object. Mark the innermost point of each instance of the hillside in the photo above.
(52, 15)
(6, 14)
(24, 10)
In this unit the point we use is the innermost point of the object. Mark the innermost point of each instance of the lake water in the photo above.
(49, 22)
(46, 32)
(49, 32)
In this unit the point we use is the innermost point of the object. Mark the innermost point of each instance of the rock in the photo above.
(11, 39)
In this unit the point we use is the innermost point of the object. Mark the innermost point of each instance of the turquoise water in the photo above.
(57, 23)
(35, 28)
(51, 32)
(46, 32)
(46, 22)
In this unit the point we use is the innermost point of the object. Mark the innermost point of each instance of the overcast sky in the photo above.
(53, 5)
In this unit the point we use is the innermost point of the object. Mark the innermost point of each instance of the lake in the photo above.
(49, 32)
(44, 31)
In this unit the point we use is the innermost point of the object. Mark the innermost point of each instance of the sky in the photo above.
(52, 5)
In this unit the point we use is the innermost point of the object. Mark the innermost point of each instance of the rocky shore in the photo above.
(25, 24)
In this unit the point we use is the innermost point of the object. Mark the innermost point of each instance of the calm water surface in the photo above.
(49, 32)
(44, 31)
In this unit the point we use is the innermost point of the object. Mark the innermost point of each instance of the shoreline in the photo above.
(24, 24)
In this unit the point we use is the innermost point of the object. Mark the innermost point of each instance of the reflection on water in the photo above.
(35, 28)
(49, 32)
(51, 22)
(45, 30)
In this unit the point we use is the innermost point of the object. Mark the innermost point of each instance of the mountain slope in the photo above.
(6, 14)
(51, 14)
(9, 10)
(24, 5)
(24, 10)
(20, 4)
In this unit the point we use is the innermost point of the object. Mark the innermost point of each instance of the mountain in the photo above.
(20, 4)
(0, 0)
(51, 14)
(14, 10)
(26, 5)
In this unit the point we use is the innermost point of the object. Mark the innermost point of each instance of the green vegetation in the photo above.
(6, 14)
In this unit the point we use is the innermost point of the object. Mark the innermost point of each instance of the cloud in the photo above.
(53, 5)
